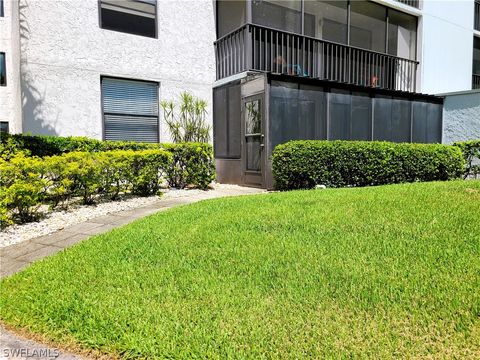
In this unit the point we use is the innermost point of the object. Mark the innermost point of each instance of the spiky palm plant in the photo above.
(189, 123)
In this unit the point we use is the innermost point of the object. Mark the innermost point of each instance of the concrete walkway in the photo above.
(13, 258)
(16, 257)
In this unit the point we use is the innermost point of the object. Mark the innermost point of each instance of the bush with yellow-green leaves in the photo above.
(28, 182)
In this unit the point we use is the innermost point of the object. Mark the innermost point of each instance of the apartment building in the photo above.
(279, 69)
(99, 68)
(344, 69)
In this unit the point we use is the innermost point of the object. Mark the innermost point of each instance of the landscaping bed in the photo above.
(375, 272)
(44, 173)
(77, 213)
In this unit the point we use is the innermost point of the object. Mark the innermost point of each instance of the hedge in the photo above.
(28, 182)
(193, 163)
(471, 154)
(43, 145)
(304, 164)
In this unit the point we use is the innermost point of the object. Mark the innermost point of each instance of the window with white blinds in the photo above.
(130, 110)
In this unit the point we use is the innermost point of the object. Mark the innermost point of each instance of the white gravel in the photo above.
(58, 220)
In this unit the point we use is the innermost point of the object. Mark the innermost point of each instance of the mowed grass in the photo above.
(381, 272)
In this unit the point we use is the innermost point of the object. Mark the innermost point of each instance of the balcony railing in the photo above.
(477, 15)
(476, 81)
(414, 3)
(258, 48)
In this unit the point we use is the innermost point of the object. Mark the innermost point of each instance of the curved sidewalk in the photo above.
(13, 258)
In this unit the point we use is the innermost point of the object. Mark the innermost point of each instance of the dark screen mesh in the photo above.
(226, 122)
(300, 112)
(296, 113)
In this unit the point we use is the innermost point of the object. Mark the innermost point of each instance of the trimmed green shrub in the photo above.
(9, 147)
(146, 170)
(471, 154)
(304, 164)
(42, 145)
(193, 163)
(22, 188)
(28, 182)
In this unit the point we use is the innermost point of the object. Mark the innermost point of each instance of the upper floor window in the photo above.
(402, 34)
(2, 14)
(231, 14)
(358, 23)
(3, 70)
(476, 55)
(138, 17)
(368, 25)
(278, 14)
(477, 15)
(327, 20)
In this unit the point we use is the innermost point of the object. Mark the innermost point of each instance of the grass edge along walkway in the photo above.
(389, 271)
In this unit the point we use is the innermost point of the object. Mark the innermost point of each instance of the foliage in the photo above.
(188, 124)
(193, 164)
(376, 272)
(22, 188)
(146, 170)
(28, 182)
(9, 147)
(471, 153)
(304, 164)
(43, 145)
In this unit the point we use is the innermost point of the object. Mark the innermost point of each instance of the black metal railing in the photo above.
(477, 15)
(259, 48)
(475, 81)
(414, 3)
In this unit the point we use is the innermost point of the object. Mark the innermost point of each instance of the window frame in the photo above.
(4, 68)
(2, 8)
(102, 77)
(100, 23)
(7, 127)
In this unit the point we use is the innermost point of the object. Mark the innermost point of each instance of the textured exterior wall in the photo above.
(10, 100)
(446, 46)
(461, 117)
(64, 53)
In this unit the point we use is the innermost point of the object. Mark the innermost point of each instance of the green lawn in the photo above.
(379, 272)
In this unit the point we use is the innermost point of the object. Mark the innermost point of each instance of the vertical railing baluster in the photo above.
(234, 52)
(253, 48)
(276, 53)
(229, 56)
(323, 60)
(260, 50)
(222, 59)
(271, 50)
(266, 50)
(338, 63)
(328, 62)
(287, 49)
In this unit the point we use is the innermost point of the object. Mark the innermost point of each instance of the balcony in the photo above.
(475, 81)
(477, 15)
(413, 3)
(259, 48)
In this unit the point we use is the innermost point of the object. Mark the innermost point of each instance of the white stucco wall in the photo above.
(64, 53)
(10, 100)
(461, 116)
(446, 46)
